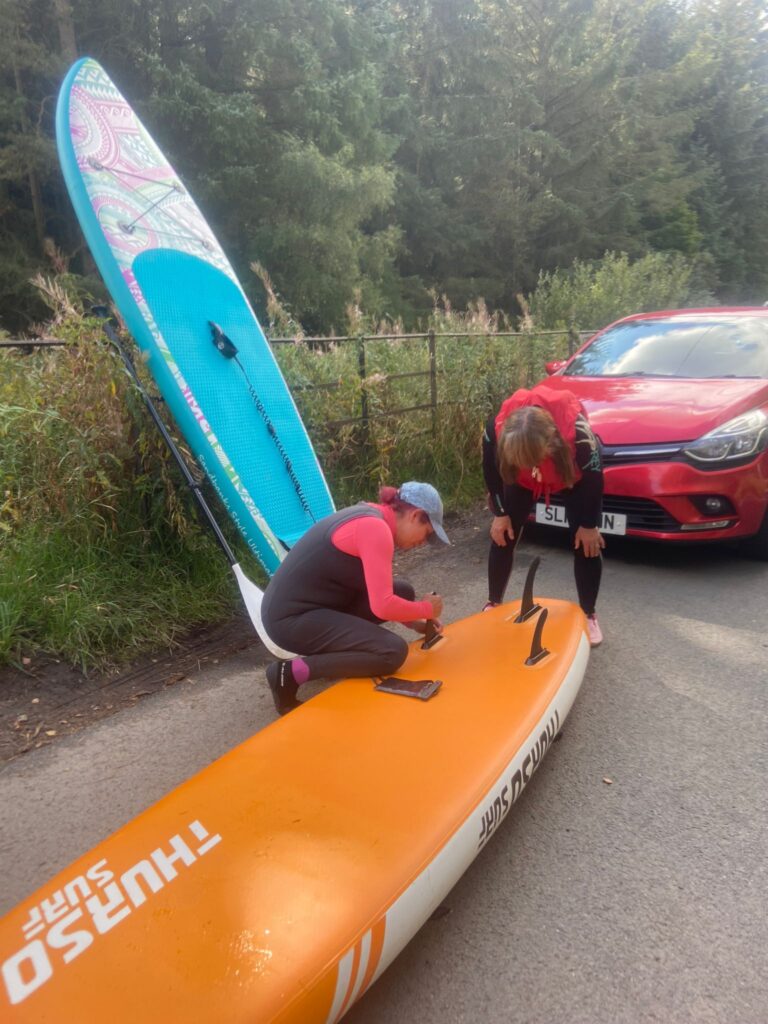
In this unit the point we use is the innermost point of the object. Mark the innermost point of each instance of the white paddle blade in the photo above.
(253, 598)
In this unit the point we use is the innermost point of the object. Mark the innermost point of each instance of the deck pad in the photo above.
(169, 279)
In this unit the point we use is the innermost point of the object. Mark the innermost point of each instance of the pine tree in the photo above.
(270, 111)
(732, 132)
(29, 179)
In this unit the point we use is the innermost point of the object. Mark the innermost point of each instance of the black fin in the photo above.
(527, 607)
(432, 636)
(537, 651)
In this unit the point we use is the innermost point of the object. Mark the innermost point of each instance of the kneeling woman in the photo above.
(335, 587)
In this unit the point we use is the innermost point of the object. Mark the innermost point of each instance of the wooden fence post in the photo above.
(574, 339)
(363, 392)
(433, 379)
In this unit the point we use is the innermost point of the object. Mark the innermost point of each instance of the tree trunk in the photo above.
(66, 28)
(35, 191)
(68, 46)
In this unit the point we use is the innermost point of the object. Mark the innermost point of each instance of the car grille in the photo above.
(641, 513)
(623, 454)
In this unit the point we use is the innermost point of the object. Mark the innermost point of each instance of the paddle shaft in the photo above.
(110, 332)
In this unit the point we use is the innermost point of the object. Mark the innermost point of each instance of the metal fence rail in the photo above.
(31, 343)
(366, 417)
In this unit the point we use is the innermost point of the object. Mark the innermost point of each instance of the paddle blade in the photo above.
(253, 597)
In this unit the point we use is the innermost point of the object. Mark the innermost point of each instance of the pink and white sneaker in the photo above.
(488, 605)
(593, 631)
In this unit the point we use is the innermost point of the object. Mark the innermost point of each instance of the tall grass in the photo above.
(100, 555)
(102, 600)
(475, 369)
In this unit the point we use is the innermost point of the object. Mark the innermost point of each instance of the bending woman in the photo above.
(540, 442)
(335, 587)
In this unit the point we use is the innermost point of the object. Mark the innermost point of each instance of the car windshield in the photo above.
(679, 347)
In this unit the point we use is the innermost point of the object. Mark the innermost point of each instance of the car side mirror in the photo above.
(554, 366)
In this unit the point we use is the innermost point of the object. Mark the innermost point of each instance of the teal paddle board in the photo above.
(184, 306)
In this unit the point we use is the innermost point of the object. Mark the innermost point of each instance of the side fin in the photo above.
(537, 651)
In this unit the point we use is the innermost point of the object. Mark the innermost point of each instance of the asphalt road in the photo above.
(629, 882)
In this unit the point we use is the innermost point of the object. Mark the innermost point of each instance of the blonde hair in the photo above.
(526, 439)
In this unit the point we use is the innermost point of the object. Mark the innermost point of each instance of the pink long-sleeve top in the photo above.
(372, 540)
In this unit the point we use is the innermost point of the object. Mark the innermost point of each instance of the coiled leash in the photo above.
(229, 350)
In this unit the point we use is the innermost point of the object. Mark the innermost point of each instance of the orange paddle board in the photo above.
(277, 884)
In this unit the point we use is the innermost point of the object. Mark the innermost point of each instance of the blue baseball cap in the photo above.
(425, 497)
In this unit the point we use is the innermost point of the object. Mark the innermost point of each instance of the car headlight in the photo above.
(737, 439)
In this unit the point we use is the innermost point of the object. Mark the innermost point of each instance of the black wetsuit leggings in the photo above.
(336, 643)
(518, 502)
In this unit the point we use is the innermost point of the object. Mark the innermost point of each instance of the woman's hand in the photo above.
(590, 541)
(420, 625)
(437, 604)
(501, 529)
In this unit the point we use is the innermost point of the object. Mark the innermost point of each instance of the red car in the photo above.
(679, 402)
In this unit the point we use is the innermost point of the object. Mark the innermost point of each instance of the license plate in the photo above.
(554, 515)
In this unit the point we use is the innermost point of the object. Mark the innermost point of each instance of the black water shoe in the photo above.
(283, 686)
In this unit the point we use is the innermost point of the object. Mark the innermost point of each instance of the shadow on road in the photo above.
(630, 551)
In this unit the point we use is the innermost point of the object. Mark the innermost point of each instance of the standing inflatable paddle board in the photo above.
(182, 302)
(278, 883)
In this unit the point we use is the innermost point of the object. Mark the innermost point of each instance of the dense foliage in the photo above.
(390, 149)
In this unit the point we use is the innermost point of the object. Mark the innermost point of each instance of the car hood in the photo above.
(626, 410)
